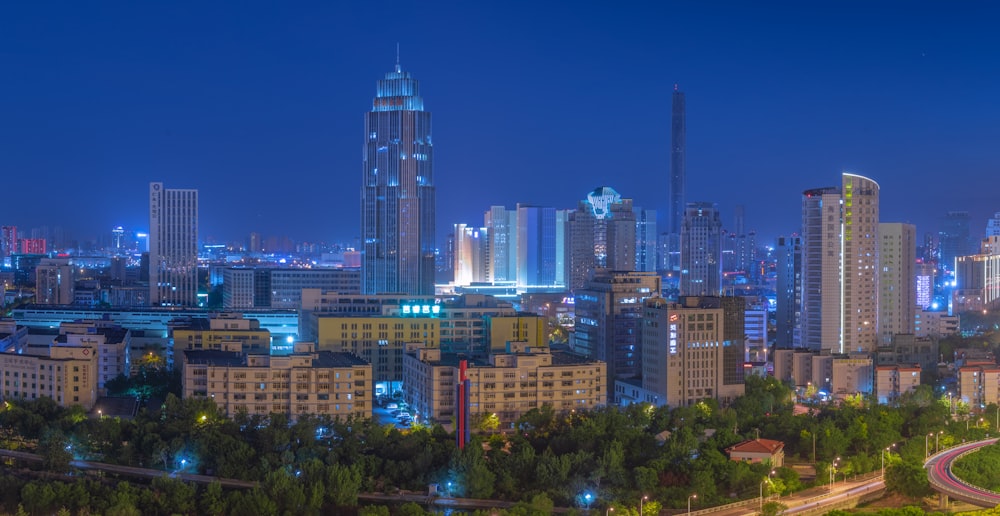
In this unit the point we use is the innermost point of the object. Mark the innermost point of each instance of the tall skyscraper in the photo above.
(993, 225)
(701, 250)
(678, 141)
(173, 246)
(896, 280)
(397, 193)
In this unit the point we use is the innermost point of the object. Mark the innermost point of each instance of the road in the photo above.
(944, 481)
(816, 500)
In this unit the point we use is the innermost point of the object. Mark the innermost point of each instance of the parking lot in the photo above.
(389, 414)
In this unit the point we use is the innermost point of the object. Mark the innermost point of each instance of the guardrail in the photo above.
(967, 496)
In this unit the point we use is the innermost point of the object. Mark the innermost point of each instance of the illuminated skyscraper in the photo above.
(821, 229)
(173, 246)
(861, 264)
(397, 192)
(788, 287)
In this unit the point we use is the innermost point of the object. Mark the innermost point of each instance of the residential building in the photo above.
(306, 382)
(55, 280)
(896, 280)
(508, 384)
(788, 289)
(768, 451)
(979, 385)
(64, 373)
(892, 381)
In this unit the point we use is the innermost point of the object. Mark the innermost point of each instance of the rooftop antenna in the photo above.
(397, 57)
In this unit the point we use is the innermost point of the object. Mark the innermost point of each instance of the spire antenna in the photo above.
(397, 57)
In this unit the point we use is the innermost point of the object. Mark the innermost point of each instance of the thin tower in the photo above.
(678, 139)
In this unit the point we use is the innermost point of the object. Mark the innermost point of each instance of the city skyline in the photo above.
(259, 110)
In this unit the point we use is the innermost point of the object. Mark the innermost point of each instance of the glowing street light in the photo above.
(643, 499)
(766, 480)
(609, 511)
(689, 501)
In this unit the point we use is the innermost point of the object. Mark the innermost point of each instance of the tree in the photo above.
(55, 450)
(907, 478)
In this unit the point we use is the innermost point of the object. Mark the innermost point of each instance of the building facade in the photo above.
(173, 246)
(337, 385)
(397, 192)
(788, 290)
(701, 250)
(896, 280)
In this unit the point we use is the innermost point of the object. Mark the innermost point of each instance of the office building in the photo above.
(646, 237)
(821, 229)
(692, 350)
(472, 264)
(600, 234)
(306, 382)
(248, 288)
(701, 250)
(993, 226)
(173, 246)
(397, 192)
(896, 280)
(63, 372)
(954, 238)
(609, 320)
(788, 290)
(536, 246)
(501, 230)
(216, 333)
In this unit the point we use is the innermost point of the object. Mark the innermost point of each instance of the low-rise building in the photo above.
(891, 381)
(509, 384)
(979, 385)
(211, 333)
(66, 373)
(759, 450)
(306, 382)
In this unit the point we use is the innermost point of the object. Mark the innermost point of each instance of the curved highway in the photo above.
(944, 481)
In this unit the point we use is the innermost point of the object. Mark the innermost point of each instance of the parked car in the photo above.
(392, 406)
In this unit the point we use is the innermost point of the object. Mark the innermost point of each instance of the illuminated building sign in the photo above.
(419, 310)
(673, 337)
(601, 200)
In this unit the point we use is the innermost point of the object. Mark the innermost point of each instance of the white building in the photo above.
(173, 246)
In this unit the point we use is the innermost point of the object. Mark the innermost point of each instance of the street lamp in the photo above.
(883, 457)
(937, 438)
(609, 511)
(925, 444)
(587, 497)
(689, 501)
(766, 480)
(643, 499)
(833, 469)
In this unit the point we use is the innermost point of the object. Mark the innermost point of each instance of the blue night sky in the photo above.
(259, 105)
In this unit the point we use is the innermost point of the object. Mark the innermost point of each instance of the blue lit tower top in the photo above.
(397, 193)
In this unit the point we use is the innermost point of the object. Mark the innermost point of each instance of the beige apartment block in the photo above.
(508, 384)
(979, 386)
(892, 381)
(337, 385)
(214, 333)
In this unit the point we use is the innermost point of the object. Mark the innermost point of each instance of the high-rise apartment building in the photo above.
(860, 264)
(8, 241)
(54, 282)
(993, 225)
(397, 192)
(840, 266)
(173, 246)
(701, 250)
(788, 289)
(896, 281)
(821, 227)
